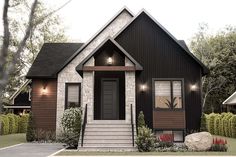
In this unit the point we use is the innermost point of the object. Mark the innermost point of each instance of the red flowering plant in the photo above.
(166, 140)
(219, 144)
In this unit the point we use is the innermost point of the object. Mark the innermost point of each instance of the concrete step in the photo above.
(108, 133)
(101, 129)
(108, 125)
(104, 141)
(101, 145)
(109, 137)
(106, 149)
(109, 122)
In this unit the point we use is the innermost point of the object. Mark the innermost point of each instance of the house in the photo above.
(132, 64)
(230, 103)
(20, 100)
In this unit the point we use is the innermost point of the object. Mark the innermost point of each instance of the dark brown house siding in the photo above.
(169, 119)
(161, 57)
(44, 106)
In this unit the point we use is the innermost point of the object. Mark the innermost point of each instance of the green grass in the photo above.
(231, 151)
(12, 139)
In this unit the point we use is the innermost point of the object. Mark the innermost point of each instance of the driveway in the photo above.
(31, 150)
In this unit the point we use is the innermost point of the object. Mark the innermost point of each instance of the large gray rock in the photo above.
(201, 141)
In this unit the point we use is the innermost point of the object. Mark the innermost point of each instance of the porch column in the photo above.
(129, 92)
(88, 91)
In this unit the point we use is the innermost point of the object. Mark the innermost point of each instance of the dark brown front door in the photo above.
(110, 99)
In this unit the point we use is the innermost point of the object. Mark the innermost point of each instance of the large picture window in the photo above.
(168, 94)
(72, 95)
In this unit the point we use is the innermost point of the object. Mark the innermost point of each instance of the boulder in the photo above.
(201, 141)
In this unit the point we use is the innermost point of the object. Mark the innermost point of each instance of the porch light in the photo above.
(109, 61)
(193, 87)
(44, 91)
(143, 88)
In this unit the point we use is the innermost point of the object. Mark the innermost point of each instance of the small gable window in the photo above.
(73, 95)
(168, 94)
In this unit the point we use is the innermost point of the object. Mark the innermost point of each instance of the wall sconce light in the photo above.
(44, 91)
(143, 88)
(109, 61)
(193, 87)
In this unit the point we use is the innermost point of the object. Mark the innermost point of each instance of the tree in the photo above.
(218, 53)
(22, 38)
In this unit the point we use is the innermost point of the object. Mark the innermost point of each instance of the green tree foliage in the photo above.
(48, 29)
(23, 122)
(30, 133)
(141, 120)
(218, 53)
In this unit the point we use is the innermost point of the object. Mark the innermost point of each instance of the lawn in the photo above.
(12, 139)
(231, 151)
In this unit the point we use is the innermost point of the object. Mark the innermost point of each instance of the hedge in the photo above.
(223, 124)
(203, 123)
(5, 124)
(23, 121)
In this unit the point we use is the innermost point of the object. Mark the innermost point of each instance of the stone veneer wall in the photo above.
(129, 92)
(69, 74)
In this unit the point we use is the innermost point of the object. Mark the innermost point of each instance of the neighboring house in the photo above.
(230, 103)
(132, 64)
(20, 101)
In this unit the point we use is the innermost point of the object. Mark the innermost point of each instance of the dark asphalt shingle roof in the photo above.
(50, 59)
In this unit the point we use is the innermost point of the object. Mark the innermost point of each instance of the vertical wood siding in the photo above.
(44, 106)
(161, 57)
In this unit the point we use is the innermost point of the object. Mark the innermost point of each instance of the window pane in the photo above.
(177, 94)
(73, 96)
(158, 133)
(162, 94)
(178, 135)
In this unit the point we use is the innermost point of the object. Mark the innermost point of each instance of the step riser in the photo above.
(106, 145)
(94, 133)
(109, 125)
(112, 137)
(86, 141)
(107, 149)
(107, 129)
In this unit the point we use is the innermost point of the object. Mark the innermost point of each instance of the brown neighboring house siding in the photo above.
(169, 119)
(44, 106)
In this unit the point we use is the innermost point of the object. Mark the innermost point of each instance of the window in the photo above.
(168, 94)
(178, 134)
(72, 95)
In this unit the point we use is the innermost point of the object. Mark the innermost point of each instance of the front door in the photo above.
(110, 99)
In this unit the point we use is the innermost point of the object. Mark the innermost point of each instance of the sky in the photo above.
(83, 18)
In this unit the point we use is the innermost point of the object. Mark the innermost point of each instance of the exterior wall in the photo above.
(69, 74)
(44, 106)
(169, 119)
(130, 92)
(161, 57)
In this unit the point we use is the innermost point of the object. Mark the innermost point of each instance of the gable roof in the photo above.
(231, 100)
(182, 45)
(50, 59)
(18, 91)
(93, 37)
(79, 68)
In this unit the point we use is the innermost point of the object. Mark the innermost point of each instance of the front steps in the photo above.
(108, 136)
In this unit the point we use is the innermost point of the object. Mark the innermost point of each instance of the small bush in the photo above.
(71, 124)
(216, 124)
(141, 120)
(166, 140)
(23, 122)
(30, 133)
(233, 126)
(219, 145)
(203, 123)
(12, 123)
(145, 140)
(45, 135)
(4, 120)
(211, 123)
(226, 124)
(221, 127)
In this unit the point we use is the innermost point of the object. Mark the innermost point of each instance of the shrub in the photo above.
(145, 140)
(221, 127)
(219, 145)
(30, 133)
(71, 124)
(45, 135)
(226, 124)
(12, 123)
(16, 128)
(166, 140)
(141, 121)
(4, 120)
(216, 124)
(203, 123)
(211, 123)
(23, 121)
(233, 126)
